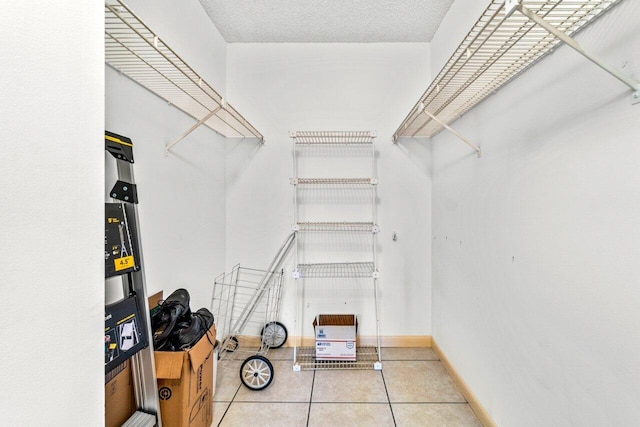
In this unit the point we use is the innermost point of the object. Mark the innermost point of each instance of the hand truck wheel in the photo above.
(230, 344)
(256, 372)
(274, 334)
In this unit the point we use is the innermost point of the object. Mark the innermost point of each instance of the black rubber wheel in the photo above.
(256, 372)
(274, 334)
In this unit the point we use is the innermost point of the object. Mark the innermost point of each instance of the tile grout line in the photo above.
(388, 402)
(347, 402)
(230, 403)
(393, 417)
(313, 382)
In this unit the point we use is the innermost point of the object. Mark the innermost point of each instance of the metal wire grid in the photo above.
(352, 227)
(244, 301)
(495, 51)
(335, 181)
(337, 270)
(332, 137)
(134, 50)
(366, 357)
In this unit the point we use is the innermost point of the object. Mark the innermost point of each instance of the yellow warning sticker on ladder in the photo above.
(123, 263)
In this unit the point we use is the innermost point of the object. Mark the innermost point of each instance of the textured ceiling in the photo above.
(322, 21)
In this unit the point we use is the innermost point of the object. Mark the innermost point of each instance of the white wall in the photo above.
(187, 29)
(535, 245)
(288, 87)
(182, 195)
(51, 175)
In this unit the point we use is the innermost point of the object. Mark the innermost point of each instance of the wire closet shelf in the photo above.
(350, 227)
(332, 137)
(334, 181)
(498, 48)
(367, 357)
(337, 270)
(136, 51)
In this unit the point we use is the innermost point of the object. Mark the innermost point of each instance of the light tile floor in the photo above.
(413, 389)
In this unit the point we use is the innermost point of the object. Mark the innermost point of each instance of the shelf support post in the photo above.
(192, 128)
(512, 5)
(453, 131)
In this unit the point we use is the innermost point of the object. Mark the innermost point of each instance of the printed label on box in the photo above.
(335, 350)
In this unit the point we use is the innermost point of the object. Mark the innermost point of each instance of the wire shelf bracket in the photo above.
(192, 128)
(499, 47)
(134, 50)
(512, 5)
(453, 131)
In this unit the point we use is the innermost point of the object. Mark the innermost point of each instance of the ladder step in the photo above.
(119, 146)
(141, 419)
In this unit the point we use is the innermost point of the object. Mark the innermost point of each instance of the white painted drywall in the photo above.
(535, 253)
(51, 175)
(182, 195)
(289, 87)
(187, 29)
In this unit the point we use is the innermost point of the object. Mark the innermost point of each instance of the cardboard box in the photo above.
(335, 336)
(185, 384)
(119, 402)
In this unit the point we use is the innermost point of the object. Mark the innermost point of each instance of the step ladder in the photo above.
(124, 259)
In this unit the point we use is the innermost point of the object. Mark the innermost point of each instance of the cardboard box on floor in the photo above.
(185, 384)
(335, 336)
(119, 403)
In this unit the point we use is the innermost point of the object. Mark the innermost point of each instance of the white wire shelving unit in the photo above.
(509, 37)
(312, 274)
(134, 50)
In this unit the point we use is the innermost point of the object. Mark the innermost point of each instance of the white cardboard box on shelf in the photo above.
(335, 336)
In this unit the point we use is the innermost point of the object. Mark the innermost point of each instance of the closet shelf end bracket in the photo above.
(450, 129)
(512, 5)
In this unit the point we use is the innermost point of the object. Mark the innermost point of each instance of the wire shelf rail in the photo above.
(136, 51)
(497, 49)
